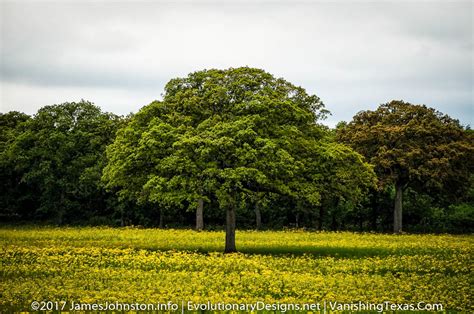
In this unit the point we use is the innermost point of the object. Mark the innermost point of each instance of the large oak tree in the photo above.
(411, 145)
(219, 134)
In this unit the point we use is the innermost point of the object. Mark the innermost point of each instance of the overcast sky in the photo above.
(354, 55)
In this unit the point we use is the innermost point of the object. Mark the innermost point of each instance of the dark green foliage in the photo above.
(235, 137)
(16, 200)
(240, 140)
(413, 146)
(59, 155)
(429, 213)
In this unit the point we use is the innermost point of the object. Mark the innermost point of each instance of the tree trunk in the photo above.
(333, 222)
(297, 220)
(161, 219)
(230, 231)
(320, 220)
(258, 218)
(200, 215)
(59, 217)
(60, 212)
(374, 215)
(397, 213)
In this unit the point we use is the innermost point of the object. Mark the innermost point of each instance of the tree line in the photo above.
(238, 145)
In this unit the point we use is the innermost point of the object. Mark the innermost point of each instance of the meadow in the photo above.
(129, 265)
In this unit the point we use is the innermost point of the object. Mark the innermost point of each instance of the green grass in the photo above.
(151, 265)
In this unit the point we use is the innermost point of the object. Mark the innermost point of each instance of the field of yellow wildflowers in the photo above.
(147, 265)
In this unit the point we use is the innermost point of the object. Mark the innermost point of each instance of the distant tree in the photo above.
(345, 178)
(13, 196)
(412, 145)
(139, 147)
(218, 134)
(61, 154)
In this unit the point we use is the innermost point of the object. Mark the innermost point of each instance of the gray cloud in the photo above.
(354, 55)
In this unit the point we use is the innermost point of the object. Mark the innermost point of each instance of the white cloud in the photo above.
(354, 55)
(28, 98)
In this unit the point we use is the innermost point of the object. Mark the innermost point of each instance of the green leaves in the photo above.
(217, 133)
(231, 137)
(60, 156)
(413, 146)
(410, 143)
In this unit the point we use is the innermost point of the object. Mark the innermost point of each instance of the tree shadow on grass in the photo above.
(321, 251)
(317, 251)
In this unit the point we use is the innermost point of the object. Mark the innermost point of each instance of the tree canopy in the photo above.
(237, 146)
(60, 155)
(412, 146)
(223, 135)
(15, 198)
